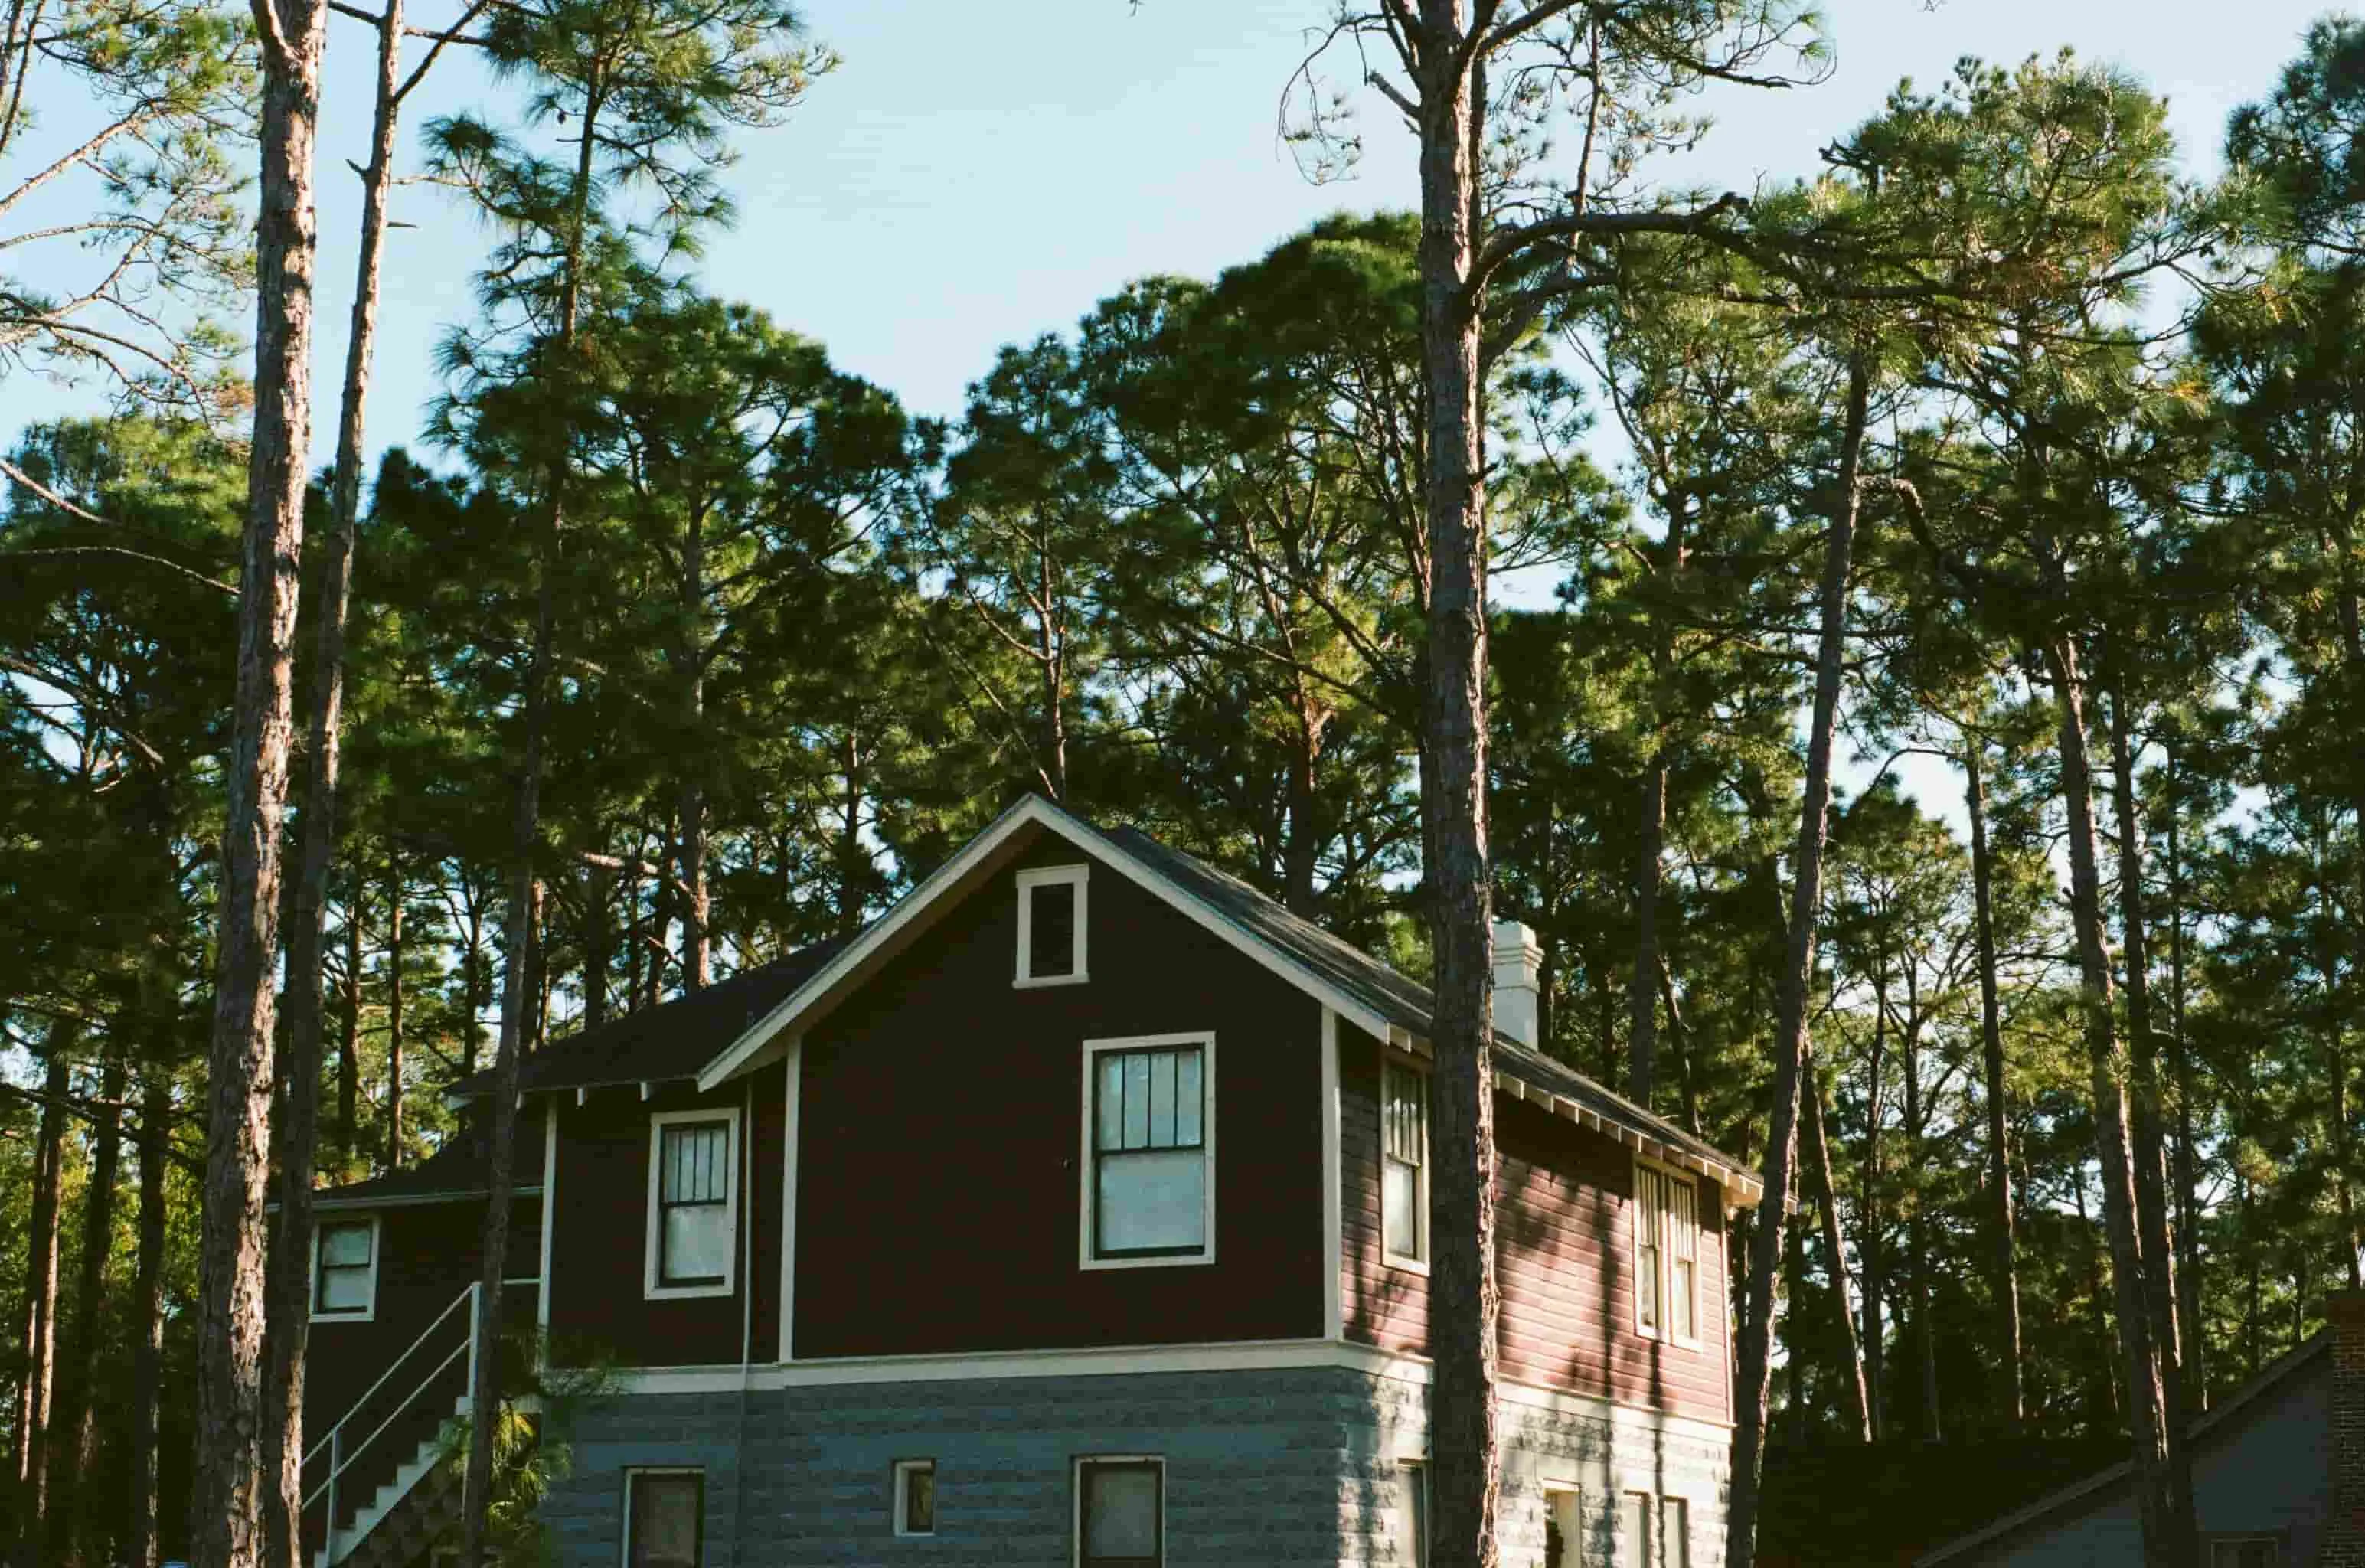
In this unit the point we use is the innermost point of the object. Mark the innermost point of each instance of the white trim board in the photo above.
(1118, 1361)
(1334, 1203)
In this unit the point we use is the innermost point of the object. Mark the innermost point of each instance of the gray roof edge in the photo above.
(2270, 1377)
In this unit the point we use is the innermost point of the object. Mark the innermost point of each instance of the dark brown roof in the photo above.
(460, 1169)
(1396, 997)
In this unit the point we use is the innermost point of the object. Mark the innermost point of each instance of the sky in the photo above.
(977, 175)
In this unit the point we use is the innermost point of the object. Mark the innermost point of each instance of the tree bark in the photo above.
(1818, 1163)
(39, 1383)
(1755, 1360)
(2163, 1479)
(288, 1288)
(1643, 992)
(1917, 1223)
(1873, 1244)
(393, 1067)
(349, 1039)
(2000, 1196)
(2188, 1241)
(75, 1510)
(1462, 1441)
(2144, 1109)
(139, 1542)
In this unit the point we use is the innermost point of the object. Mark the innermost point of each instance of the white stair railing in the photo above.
(342, 1456)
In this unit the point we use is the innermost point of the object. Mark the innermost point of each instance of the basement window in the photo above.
(916, 1496)
(1052, 926)
(2246, 1552)
(665, 1519)
(1120, 1513)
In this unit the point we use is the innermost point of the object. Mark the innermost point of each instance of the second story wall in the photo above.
(1566, 1257)
(941, 1122)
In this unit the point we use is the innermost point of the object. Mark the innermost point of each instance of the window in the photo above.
(665, 1519)
(1564, 1529)
(1052, 926)
(1404, 1165)
(1675, 1534)
(2246, 1552)
(1120, 1513)
(1149, 1149)
(1412, 1514)
(1634, 1530)
(693, 1203)
(344, 1269)
(1666, 1255)
(916, 1496)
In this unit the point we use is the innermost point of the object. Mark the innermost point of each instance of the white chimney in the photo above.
(1519, 968)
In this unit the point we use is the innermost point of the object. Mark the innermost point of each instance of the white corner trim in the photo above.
(1409, 1262)
(1085, 1240)
(658, 1121)
(790, 1148)
(1334, 1207)
(1078, 876)
(368, 1314)
(1033, 811)
(549, 1217)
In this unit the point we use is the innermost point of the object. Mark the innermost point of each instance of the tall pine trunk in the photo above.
(1755, 1371)
(76, 1512)
(394, 1064)
(1872, 1244)
(2163, 1483)
(1818, 1165)
(1650, 822)
(1466, 1465)
(2005, 1252)
(39, 1383)
(2188, 1239)
(140, 1546)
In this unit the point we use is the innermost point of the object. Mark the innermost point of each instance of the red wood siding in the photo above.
(940, 1115)
(1564, 1257)
(598, 1302)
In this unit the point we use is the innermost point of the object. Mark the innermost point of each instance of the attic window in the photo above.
(1052, 926)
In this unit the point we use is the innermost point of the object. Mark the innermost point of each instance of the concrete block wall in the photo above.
(1278, 1468)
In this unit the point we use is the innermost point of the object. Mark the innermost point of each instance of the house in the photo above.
(1075, 1212)
(2277, 1476)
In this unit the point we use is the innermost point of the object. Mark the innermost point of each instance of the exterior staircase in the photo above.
(425, 1490)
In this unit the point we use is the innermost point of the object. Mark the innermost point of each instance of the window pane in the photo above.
(697, 1243)
(344, 1290)
(1136, 1100)
(1189, 1098)
(1647, 1285)
(696, 1162)
(1121, 1511)
(919, 1499)
(1400, 1197)
(1407, 1121)
(1634, 1530)
(344, 1245)
(1674, 1533)
(1051, 933)
(1564, 1530)
(1686, 1304)
(665, 1521)
(1412, 1514)
(1156, 1199)
(1109, 1102)
(1161, 1099)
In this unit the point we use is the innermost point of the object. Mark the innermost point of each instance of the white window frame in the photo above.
(904, 1471)
(1076, 877)
(1665, 1286)
(1680, 1556)
(1417, 1465)
(1076, 1498)
(652, 1226)
(1411, 1262)
(1572, 1534)
(368, 1313)
(1086, 1164)
(624, 1542)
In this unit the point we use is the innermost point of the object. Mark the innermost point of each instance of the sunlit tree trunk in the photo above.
(2000, 1191)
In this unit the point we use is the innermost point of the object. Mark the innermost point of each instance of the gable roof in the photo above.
(1370, 995)
(2272, 1379)
(459, 1171)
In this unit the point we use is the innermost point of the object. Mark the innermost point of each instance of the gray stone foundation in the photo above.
(1262, 1467)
